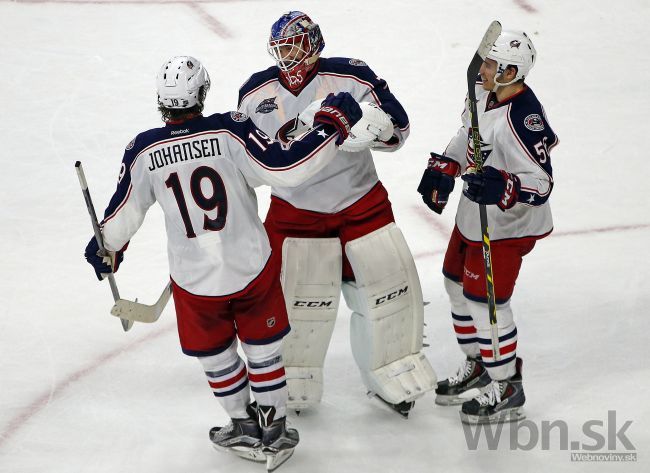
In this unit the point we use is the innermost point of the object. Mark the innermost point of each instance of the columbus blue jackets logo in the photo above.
(130, 145)
(238, 116)
(534, 122)
(357, 62)
(267, 106)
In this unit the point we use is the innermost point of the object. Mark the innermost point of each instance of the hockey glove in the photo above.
(438, 181)
(341, 111)
(103, 264)
(492, 186)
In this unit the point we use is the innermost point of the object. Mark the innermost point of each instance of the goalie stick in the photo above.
(127, 311)
(490, 36)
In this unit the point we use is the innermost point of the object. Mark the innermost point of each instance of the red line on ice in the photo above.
(526, 6)
(44, 400)
(215, 25)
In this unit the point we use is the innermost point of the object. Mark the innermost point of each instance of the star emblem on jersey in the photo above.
(531, 199)
(322, 133)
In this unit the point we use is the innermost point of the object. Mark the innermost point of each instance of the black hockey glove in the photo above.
(492, 186)
(438, 181)
(341, 111)
(103, 265)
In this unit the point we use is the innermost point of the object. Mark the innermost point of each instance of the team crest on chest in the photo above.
(534, 122)
(267, 106)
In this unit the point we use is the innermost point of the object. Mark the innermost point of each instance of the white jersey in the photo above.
(351, 175)
(201, 172)
(515, 137)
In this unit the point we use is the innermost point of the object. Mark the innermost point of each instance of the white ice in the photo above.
(77, 83)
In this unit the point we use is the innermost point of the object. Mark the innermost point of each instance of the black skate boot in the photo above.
(278, 441)
(243, 437)
(402, 408)
(471, 375)
(500, 402)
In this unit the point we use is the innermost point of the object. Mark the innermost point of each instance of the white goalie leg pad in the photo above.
(388, 316)
(311, 281)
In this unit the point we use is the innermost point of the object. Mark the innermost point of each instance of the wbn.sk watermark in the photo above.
(603, 440)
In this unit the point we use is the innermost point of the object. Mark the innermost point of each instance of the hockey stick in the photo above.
(126, 324)
(134, 311)
(128, 311)
(490, 36)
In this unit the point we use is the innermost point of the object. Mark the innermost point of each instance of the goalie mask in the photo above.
(182, 83)
(513, 48)
(295, 44)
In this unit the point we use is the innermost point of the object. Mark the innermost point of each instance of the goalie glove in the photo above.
(374, 126)
(341, 111)
(105, 263)
(438, 181)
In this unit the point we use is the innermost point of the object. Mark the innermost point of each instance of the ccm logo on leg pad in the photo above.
(312, 304)
(392, 295)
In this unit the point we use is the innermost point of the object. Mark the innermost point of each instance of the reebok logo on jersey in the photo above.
(470, 274)
(130, 145)
(180, 132)
(267, 106)
(534, 122)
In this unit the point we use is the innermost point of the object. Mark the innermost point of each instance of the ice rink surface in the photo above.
(79, 395)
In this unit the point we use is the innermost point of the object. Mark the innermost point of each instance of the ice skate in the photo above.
(471, 375)
(243, 437)
(402, 408)
(500, 402)
(278, 441)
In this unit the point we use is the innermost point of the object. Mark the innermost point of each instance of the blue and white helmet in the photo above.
(182, 82)
(295, 40)
(513, 48)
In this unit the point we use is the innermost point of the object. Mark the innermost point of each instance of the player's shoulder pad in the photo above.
(349, 66)
(235, 122)
(528, 119)
(256, 80)
(142, 141)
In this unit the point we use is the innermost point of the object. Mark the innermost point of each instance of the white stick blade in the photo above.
(490, 36)
(137, 312)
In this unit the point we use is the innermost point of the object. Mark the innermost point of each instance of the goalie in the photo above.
(336, 231)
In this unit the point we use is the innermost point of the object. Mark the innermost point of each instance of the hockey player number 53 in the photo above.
(542, 150)
(217, 199)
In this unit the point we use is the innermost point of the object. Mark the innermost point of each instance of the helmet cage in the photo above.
(291, 51)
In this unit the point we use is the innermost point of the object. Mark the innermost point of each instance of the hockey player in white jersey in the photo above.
(337, 230)
(202, 170)
(515, 186)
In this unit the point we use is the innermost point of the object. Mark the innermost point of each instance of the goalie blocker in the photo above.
(386, 324)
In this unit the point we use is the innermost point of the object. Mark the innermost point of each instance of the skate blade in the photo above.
(444, 400)
(403, 408)
(251, 454)
(510, 415)
(275, 460)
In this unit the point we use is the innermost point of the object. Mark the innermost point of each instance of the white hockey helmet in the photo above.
(182, 82)
(513, 48)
